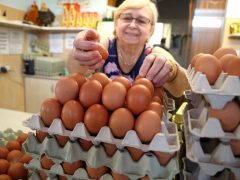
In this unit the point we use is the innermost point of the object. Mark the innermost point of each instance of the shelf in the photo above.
(234, 36)
(19, 24)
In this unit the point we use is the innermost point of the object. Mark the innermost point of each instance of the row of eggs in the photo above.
(99, 102)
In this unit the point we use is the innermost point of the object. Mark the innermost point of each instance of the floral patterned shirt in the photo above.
(112, 68)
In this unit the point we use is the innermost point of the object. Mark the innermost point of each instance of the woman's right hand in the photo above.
(88, 51)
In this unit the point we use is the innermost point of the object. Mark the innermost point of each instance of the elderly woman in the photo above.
(129, 54)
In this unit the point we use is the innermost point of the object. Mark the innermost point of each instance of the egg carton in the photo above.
(207, 171)
(96, 156)
(56, 170)
(216, 101)
(165, 141)
(201, 125)
(168, 103)
(224, 85)
(221, 154)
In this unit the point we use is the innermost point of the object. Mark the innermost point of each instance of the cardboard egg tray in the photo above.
(201, 125)
(216, 101)
(221, 154)
(166, 141)
(56, 170)
(96, 156)
(207, 171)
(225, 84)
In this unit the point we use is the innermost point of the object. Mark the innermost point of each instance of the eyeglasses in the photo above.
(128, 18)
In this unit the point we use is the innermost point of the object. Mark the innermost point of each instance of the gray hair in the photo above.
(137, 4)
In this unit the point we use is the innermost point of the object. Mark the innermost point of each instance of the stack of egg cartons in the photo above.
(61, 153)
(212, 127)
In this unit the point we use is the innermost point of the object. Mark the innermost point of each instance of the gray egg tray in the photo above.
(207, 171)
(216, 101)
(225, 84)
(165, 141)
(96, 156)
(56, 170)
(201, 125)
(221, 155)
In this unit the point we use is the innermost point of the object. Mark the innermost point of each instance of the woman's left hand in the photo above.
(156, 68)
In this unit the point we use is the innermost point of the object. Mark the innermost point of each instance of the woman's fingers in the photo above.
(92, 35)
(156, 67)
(147, 63)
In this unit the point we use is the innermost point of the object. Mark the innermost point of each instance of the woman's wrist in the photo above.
(173, 73)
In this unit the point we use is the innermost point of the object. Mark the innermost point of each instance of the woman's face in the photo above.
(134, 26)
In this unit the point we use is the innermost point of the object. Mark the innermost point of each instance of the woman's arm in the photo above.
(89, 51)
(161, 67)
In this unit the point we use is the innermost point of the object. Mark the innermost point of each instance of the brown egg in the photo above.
(50, 109)
(42, 174)
(80, 78)
(118, 176)
(26, 158)
(138, 98)
(5, 177)
(40, 135)
(22, 138)
(233, 67)
(70, 168)
(66, 89)
(135, 153)
(95, 118)
(100, 77)
(164, 157)
(3, 152)
(13, 145)
(224, 60)
(85, 145)
(72, 113)
(62, 140)
(14, 156)
(210, 66)
(96, 173)
(157, 107)
(120, 122)
(103, 51)
(147, 125)
(145, 82)
(90, 93)
(113, 95)
(46, 163)
(17, 171)
(124, 81)
(224, 50)
(194, 59)
(4, 165)
(235, 146)
(159, 92)
(229, 116)
(110, 149)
